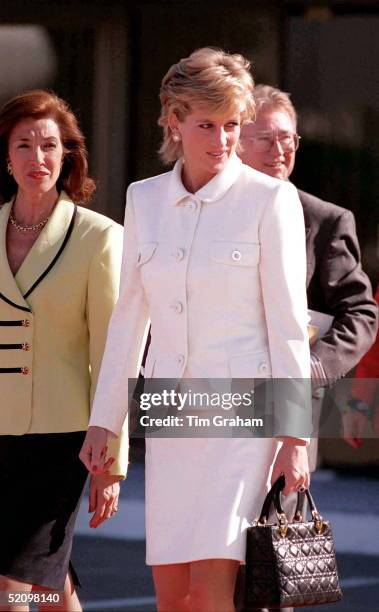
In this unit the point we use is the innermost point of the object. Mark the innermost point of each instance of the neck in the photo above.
(30, 209)
(191, 181)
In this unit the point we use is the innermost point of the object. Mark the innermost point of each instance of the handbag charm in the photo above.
(290, 564)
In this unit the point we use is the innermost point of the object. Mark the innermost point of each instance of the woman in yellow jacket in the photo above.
(59, 276)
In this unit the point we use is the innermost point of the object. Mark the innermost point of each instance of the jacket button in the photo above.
(178, 254)
(263, 368)
(177, 307)
(25, 371)
(180, 359)
(25, 346)
(236, 255)
(25, 322)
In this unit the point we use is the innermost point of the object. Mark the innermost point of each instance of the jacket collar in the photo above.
(39, 256)
(212, 191)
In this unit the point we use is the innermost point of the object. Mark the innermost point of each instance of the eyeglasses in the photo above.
(263, 141)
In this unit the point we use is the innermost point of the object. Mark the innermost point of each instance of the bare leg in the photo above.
(172, 587)
(11, 585)
(212, 584)
(69, 601)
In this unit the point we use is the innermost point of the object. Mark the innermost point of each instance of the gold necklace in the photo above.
(26, 228)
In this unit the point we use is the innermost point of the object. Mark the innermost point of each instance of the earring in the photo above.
(9, 168)
(176, 137)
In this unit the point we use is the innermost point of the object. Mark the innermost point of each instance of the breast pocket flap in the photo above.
(145, 252)
(250, 365)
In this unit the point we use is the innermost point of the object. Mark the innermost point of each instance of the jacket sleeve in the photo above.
(283, 282)
(348, 296)
(125, 336)
(102, 294)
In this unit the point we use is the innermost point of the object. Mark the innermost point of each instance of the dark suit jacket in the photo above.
(337, 285)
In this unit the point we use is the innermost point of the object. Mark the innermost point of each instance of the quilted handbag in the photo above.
(290, 564)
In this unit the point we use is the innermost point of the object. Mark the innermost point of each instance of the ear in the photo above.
(173, 122)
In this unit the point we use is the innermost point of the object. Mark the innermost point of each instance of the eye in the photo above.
(232, 124)
(51, 145)
(23, 145)
(205, 126)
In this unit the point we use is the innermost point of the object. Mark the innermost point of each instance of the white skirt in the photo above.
(201, 495)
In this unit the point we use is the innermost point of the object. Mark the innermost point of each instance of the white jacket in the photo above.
(221, 274)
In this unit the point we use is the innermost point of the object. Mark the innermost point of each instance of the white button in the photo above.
(236, 255)
(177, 307)
(191, 206)
(180, 359)
(263, 367)
(178, 254)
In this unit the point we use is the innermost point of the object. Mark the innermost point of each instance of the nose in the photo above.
(38, 156)
(276, 146)
(220, 137)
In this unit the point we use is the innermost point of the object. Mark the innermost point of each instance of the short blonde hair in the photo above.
(265, 95)
(208, 77)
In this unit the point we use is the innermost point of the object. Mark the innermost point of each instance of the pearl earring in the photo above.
(176, 137)
(9, 168)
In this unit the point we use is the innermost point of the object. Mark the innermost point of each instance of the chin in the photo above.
(279, 173)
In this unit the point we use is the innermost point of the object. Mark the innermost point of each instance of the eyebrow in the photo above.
(25, 138)
(261, 132)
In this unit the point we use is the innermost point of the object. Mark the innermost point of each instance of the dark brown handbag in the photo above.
(290, 564)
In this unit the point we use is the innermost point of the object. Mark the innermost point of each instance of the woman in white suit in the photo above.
(214, 255)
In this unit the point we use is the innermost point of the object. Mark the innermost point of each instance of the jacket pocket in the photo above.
(250, 365)
(145, 252)
(236, 253)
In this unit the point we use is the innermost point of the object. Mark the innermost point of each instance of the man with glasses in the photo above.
(336, 283)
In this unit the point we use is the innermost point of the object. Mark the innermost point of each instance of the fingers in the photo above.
(105, 493)
(104, 511)
(292, 461)
(94, 450)
(92, 495)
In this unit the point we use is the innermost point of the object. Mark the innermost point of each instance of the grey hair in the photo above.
(265, 95)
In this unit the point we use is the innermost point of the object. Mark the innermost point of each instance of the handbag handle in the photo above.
(273, 498)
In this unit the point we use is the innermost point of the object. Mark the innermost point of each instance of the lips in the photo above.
(37, 174)
(217, 155)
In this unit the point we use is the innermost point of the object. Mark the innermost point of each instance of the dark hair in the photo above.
(38, 104)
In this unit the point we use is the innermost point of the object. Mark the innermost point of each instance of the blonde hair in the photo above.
(208, 77)
(265, 95)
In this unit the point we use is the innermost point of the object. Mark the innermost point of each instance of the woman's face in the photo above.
(208, 140)
(35, 151)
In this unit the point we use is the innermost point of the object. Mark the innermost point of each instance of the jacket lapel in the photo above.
(40, 255)
(8, 285)
(47, 245)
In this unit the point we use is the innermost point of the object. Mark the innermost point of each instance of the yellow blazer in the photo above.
(52, 337)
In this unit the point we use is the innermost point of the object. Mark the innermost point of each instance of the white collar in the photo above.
(211, 191)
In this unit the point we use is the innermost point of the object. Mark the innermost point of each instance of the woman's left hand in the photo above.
(104, 492)
(292, 461)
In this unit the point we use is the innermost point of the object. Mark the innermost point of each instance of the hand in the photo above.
(94, 451)
(354, 424)
(292, 461)
(104, 491)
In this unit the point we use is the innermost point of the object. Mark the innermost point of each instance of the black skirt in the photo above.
(41, 483)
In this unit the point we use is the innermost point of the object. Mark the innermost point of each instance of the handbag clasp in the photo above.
(318, 521)
(282, 524)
